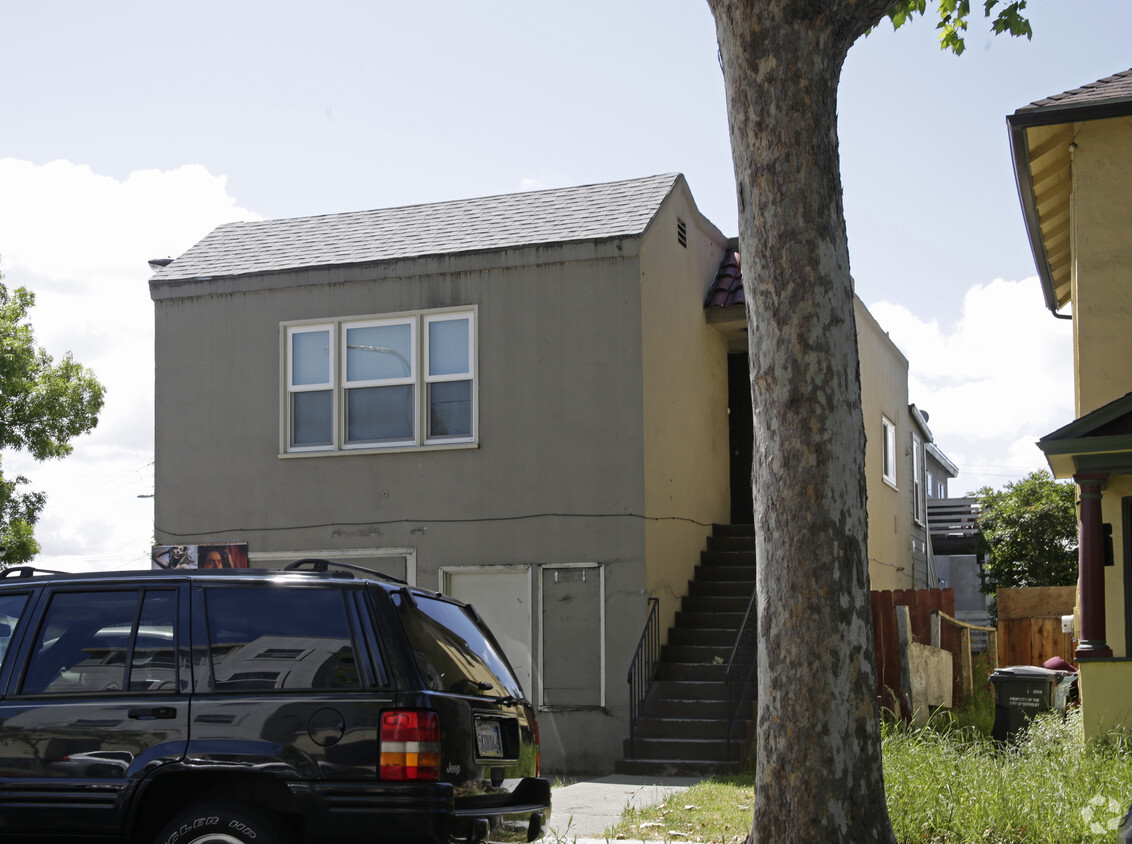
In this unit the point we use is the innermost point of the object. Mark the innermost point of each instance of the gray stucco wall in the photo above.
(556, 477)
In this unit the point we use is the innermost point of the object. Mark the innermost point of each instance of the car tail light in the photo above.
(410, 745)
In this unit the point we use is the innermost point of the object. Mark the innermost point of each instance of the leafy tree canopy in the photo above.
(1029, 528)
(43, 406)
(953, 15)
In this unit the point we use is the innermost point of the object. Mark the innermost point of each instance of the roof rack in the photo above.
(318, 564)
(27, 571)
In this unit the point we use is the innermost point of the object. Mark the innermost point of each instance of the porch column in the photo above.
(1090, 552)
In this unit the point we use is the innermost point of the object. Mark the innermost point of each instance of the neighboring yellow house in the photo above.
(1073, 162)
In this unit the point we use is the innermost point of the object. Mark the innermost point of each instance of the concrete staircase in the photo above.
(683, 728)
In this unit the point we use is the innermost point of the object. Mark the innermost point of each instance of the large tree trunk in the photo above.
(818, 774)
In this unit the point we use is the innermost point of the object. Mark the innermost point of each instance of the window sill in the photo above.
(403, 449)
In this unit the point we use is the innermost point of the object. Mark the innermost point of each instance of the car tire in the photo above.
(221, 823)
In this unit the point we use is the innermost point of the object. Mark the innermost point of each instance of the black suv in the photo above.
(276, 707)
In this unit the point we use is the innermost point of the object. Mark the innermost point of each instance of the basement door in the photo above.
(502, 597)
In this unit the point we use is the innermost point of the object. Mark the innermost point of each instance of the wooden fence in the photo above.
(921, 603)
(931, 615)
(1029, 624)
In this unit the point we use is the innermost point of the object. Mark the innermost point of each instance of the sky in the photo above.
(128, 130)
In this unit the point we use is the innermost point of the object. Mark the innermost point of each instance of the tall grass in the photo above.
(947, 783)
(951, 783)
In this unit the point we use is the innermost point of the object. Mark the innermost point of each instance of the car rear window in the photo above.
(280, 639)
(452, 651)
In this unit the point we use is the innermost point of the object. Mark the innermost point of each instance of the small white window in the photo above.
(889, 445)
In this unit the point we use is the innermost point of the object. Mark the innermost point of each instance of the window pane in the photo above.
(263, 639)
(154, 667)
(11, 607)
(310, 358)
(376, 352)
(450, 409)
(311, 418)
(448, 347)
(379, 413)
(82, 644)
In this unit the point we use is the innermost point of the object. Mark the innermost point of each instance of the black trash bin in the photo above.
(1020, 692)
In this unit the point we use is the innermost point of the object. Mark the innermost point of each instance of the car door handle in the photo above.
(152, 713)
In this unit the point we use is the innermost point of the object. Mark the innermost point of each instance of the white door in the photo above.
(502, 597)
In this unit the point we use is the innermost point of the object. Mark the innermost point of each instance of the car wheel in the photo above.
(220, 823)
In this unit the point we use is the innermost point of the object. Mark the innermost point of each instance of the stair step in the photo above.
(744, 573)
(712, 709)
(715, 603)
(745, 544)
(719, 637)
(709, 620)
(733, 530)
(727, 559)
(673, 768)
(692, 672)
(701, 654)
(699, 728)
(685, 690)
(721, 588)
(700, 750)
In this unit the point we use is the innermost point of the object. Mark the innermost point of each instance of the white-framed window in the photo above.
(380, 382)
(918, 504)
(888, 465)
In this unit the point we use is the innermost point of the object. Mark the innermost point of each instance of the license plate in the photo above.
(487, 738)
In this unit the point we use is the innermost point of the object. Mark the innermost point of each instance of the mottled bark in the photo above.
(818, 774)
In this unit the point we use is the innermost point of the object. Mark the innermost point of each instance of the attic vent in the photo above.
(682, 232)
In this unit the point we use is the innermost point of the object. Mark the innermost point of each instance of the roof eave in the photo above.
(1049, 115)
(1020, 152)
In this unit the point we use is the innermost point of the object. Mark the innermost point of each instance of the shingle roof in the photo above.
(589, 212)
(727, 287)
(1115, 87)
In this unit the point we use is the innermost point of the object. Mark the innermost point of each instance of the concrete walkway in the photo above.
(583, 811)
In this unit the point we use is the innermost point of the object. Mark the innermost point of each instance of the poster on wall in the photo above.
(231, 555)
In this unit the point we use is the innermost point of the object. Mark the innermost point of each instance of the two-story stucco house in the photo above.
(520, 400)
(1073, 160)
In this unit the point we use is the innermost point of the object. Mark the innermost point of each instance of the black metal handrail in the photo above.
(742, 667)
(643, 669)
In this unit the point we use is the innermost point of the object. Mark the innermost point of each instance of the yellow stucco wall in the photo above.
(1102, 314)
(1105, 700)
(884, 393)
(1102, 231)
(686, 446)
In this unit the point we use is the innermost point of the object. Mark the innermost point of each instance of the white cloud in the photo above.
(81, 241)
(993, 383)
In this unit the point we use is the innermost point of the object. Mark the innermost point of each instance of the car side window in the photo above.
(104, 641)
(11, 608)
(280, 639)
